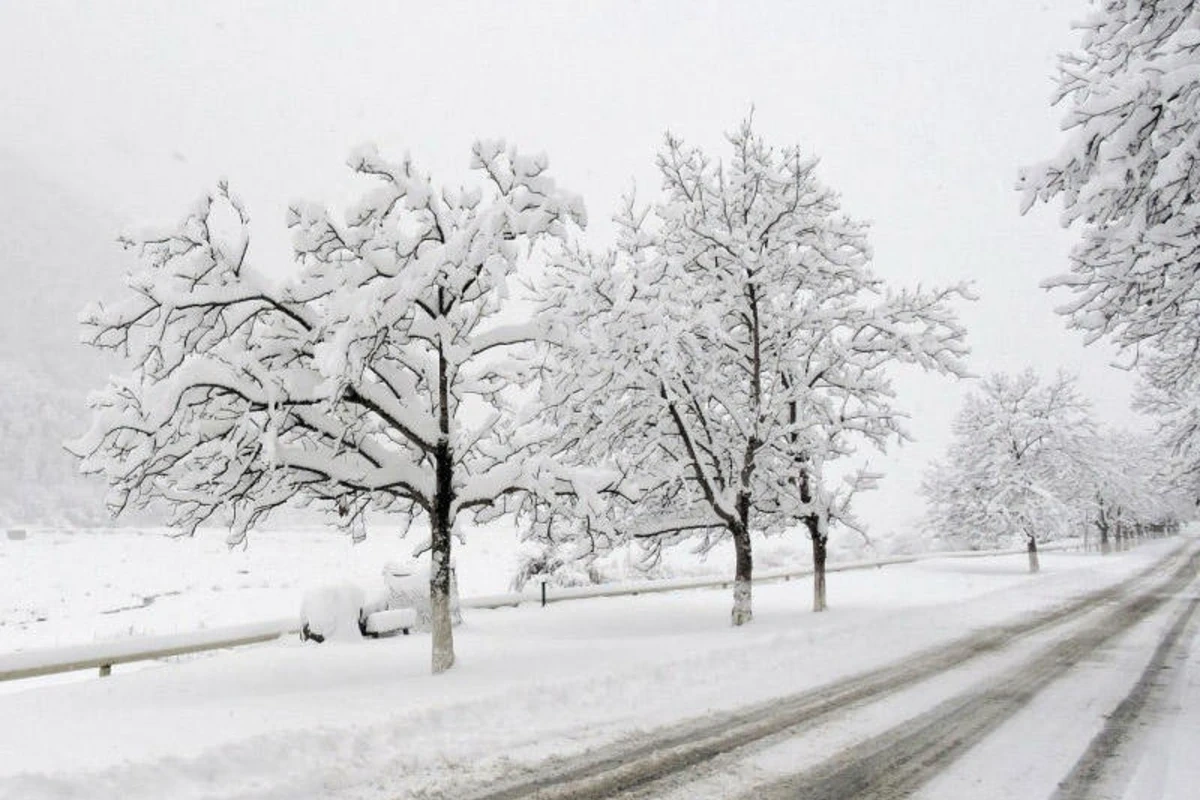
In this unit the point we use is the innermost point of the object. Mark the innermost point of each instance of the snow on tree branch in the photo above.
(1021, 448)
(1128, 175)
(733, 343)
(348, 386)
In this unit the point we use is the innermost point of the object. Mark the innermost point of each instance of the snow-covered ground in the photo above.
(367, 720)
(60, 587)
(64, 587)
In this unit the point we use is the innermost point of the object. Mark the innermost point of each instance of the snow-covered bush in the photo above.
(544, 564)
(332, 612)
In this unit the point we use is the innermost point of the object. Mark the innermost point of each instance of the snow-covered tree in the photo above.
(731, 346)
(1177, 409)
(1129, 175)
(1118, 486)
(377, 379)
(1017, 466)
(1131, 483)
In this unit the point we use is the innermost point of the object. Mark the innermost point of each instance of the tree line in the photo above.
(1027, 462)
(447, 351)
(444, 350)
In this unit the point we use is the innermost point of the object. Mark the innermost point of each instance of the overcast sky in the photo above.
(921, 113)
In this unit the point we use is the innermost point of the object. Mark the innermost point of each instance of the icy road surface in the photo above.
(946, 678)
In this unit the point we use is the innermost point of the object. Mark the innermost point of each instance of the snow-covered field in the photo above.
(64, 587)
(367, 720)
(60, 587)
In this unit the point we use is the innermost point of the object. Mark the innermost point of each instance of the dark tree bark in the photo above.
(817, 535)
(744, 569)
(819, 542)
(743, 601)
(441, 524)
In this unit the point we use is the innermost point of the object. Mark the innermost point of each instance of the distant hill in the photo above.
(57, 253)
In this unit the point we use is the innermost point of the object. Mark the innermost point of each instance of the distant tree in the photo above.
(1129, 174)
(731, 346)
(1014, 465)
(378, 378)
(1117, 485)
(1130, 483)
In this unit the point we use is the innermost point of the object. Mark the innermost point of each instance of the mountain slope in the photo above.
(57, 253)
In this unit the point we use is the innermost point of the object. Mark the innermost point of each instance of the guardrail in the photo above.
(563, 593)
(104, 655)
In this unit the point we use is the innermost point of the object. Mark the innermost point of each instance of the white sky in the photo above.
(921, 111)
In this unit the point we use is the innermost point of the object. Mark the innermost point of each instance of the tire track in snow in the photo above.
(1098, 763)
(898, 761)
(628, 766)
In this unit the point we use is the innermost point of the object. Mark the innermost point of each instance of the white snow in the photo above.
(1166, 767)
(392, 620)
(366, 719)
(332, 611)
(62, 587)
(1032, 752)
(794, 754)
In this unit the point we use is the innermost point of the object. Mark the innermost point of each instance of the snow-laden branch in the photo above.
(331, 377)
(1127, 177)
(734, 333)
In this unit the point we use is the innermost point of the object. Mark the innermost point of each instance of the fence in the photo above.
(104, 655)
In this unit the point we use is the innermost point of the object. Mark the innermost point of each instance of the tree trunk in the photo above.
(439, 577)
(441, 524)
(820, 540)
(817, 531)
(743, 608)
(1105, 543)
(1031, 547)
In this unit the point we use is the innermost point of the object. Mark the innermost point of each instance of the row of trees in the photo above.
(1028, 463)
(729, 349)
(695, 381)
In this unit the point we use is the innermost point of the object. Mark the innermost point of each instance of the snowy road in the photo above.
(1107, 758)
(657, 696)
(910, 722)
